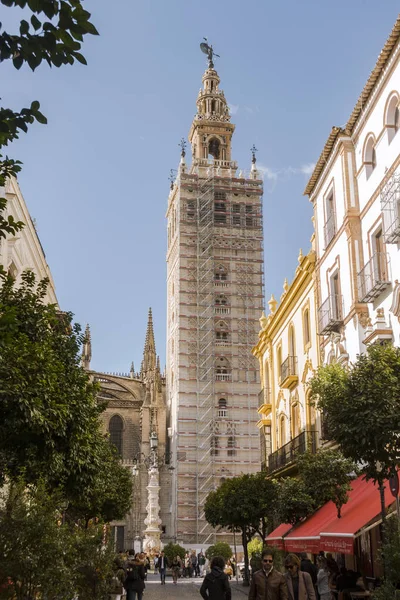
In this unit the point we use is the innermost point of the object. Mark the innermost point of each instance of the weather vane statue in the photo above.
(208, 49)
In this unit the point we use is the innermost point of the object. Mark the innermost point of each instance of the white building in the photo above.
(24, 250)
(355, 191)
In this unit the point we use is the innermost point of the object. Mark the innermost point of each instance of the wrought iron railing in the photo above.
(264, 396)
(390, 205)
(373, 278)
(289, 367)
(330, 314)
(284, 456)
(329, 229)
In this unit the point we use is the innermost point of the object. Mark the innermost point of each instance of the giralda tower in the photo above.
(215, 271)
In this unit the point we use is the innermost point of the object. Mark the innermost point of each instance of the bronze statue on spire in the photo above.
(208, 49)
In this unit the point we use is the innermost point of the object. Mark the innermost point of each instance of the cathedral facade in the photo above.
(215, 270)
(136, 410)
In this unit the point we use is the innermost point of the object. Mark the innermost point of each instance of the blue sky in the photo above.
(96, 177)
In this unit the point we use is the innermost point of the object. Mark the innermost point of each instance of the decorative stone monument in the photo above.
(152, 533)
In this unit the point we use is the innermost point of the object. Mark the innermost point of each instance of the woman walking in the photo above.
(323, 579)
(299, 583)
(176, 566)
(134, 581)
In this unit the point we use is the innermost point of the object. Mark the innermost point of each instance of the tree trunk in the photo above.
(383, 513)
(246, 578)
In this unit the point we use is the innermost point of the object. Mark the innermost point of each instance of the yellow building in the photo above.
(288, 353)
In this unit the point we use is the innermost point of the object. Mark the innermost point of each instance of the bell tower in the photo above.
(215, 270)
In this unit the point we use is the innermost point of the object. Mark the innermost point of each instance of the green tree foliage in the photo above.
(328, 475)
(255, 546)
(219, 549)
(173, 550)
(294, 503)
(361, 406)
(49, 414)
(246, 504)
(53, 31)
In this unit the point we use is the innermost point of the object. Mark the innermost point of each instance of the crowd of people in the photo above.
(302, 580)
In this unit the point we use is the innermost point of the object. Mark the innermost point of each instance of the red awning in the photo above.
(324, 531)
(275, 538)
(363, 507)
(305, 536)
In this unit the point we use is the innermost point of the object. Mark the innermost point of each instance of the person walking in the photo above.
(193, 561)
(176, 566)
(188, 565)
(134, 580)
(215, 585)
(308, 567)
(162, 566)
(268, 582)
(201, 560)
(323, 579)
(299, 583)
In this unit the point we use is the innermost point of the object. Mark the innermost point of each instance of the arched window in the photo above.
(115, 429)
(221, 334)
(222, 369)
(221, 300)
(220, 273)
(282, 430)
(279, 361)
(392, 115)
(369, 155)
(214, 147)
(266, 379)
(306, 327)
(292, 342)
(222, 405)
(295, 419)
(231, 446)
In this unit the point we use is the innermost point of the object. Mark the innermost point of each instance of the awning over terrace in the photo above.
(275, 538)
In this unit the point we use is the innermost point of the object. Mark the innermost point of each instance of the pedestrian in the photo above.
(117, 582)
(193, 560)
(234, 566)
(134, 580)
(176, 566)
(299, 583)
(308, 567)
(215, 584)
(201, 559)
(188, 565)
(268, 582)
(146, 565)
(162, 566)
(323, 579)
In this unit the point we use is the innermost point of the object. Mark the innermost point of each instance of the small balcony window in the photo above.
(373, 279)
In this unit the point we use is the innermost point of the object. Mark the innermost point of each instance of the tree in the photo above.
(55, 38)
(327, 474)
(173, 550)
(49, 414)
(219, 549)
(245, 504)
(361, 406)
(294, 503)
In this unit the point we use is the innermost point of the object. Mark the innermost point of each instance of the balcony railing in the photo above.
(222, 310)
(223, 377)
(373, 278)
(264, 396)
(288, 372)
(286, 455)
(329, 229)
(390, 204)
(330, 314)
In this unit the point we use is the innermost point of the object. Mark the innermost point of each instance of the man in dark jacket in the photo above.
(308, 567)
(162, 566)
(215, 585)
(267, 582)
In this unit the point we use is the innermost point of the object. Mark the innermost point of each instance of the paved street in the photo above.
(185, 589)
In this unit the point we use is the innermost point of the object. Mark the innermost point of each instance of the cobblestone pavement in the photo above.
(186, 589)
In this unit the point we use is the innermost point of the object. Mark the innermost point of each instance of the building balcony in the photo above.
(223, 377)
(286, 455)
(264, 403)
(222, 310)
(288, 372)
(330, 314)
(373, 279)
(390, 204)
(329, 229)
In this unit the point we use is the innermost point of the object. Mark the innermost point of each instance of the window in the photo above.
(292, 342)
(249, 222)
(249, 208)
(222, 335)
(369, 155)
(236, 208)
(221, 300)
(115, 429)
(219, 206)
(279, 361)
(306, 328)
(236, 219)
(282, 430)
(222, 369)
(214, 147)
(219, 195)
(295, 419)
(330, 220)
(190, 210)
(392, 116)
(214, 445)
(380, 266)
(231, 446)
(220, 273)
(222, 405)
(336, 304)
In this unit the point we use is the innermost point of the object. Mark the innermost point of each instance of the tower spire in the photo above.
(87, 349)
(149, 353)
